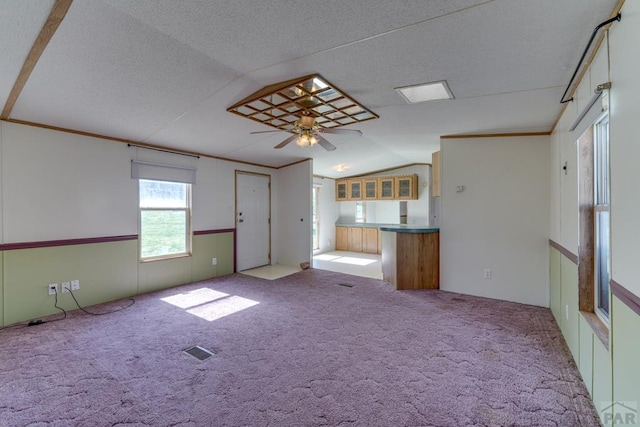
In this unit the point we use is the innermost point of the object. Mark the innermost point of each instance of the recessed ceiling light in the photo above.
(433, 91)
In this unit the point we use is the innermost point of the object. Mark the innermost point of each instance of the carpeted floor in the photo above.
(303, 350)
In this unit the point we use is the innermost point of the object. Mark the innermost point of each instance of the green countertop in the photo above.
(398, 228)
(365, 224)
(410, 229)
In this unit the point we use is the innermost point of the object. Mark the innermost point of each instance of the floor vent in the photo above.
(346, 285)
(199, 353)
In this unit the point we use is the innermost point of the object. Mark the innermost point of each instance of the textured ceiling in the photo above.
(164, 72)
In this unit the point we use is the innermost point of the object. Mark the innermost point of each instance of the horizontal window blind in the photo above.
(162, 172)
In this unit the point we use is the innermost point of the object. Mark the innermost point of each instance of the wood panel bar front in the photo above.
(411, 260)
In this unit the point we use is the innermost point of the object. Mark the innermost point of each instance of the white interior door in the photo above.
(252, 220)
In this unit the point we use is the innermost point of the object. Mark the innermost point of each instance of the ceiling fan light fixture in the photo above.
(306, 139)
(434, 91)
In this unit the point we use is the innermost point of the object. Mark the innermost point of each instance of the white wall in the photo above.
(292, 214)
(500, 221)
(63, 186)
(214, 193)
(328, 213)
(57, 186)
(625, 148)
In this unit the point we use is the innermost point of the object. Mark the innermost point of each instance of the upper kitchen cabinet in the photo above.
(341, 191)
(386, 188)
(380, 188)
(406, 187)
(355, 189)
(371, 189)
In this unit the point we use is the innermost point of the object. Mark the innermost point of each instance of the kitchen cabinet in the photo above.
(342, 238)
(341, 191)
(370, 189)
(370, 240)
(355, 189)
(435, 174)
(355, 239)
(386, 188)
(406, 187)
(380, 188)
(358, 239)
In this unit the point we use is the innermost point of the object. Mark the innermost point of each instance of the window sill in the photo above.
(164, 258)
(600, 329)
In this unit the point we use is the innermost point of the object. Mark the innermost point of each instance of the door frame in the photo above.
(235, 213)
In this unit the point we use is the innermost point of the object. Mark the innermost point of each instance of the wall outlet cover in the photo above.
(52, 288)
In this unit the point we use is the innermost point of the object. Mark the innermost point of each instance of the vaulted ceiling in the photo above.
(164, 72)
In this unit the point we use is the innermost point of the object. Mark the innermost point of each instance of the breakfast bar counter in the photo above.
(411, 256)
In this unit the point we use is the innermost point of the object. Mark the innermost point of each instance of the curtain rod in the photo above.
(164, 151)
(618, 17)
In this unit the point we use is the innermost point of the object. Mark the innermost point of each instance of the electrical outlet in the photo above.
(66, 286)
(487, 273)
(214, 261)
(566, 311)
(75, 285)
(53, 288)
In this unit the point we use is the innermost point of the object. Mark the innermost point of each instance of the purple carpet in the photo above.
(304, 350)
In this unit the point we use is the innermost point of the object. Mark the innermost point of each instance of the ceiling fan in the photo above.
(306, 132)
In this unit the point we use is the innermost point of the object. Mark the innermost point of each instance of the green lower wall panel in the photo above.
(602, 379)
(625, 337)
(555, 282)
(2, 288)
(569, 315)
(586, 354)
(156, 275)
(209, 246)
(106, 271)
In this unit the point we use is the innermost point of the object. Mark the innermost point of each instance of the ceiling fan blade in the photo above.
(325, 144)
(286, 141)
(341, 131)
(267, 131)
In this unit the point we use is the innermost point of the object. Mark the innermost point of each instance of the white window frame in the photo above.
(316, 219)
(602, 203)
(188, 229)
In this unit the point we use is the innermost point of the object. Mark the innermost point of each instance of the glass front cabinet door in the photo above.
(386, 188)
(341, 190)
(370, 189)
(355, 189)
(406, 187)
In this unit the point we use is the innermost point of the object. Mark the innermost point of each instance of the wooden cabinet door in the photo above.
(355, 239)
(341, 190)
(370, 189)
(435, 174)
(355, 189)
(370, 240)
(385, 188)
(406, 187)
(342, 238)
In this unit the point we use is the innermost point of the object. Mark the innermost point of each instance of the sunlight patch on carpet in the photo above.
(194, 298)
(221, 308)
(354, 261)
